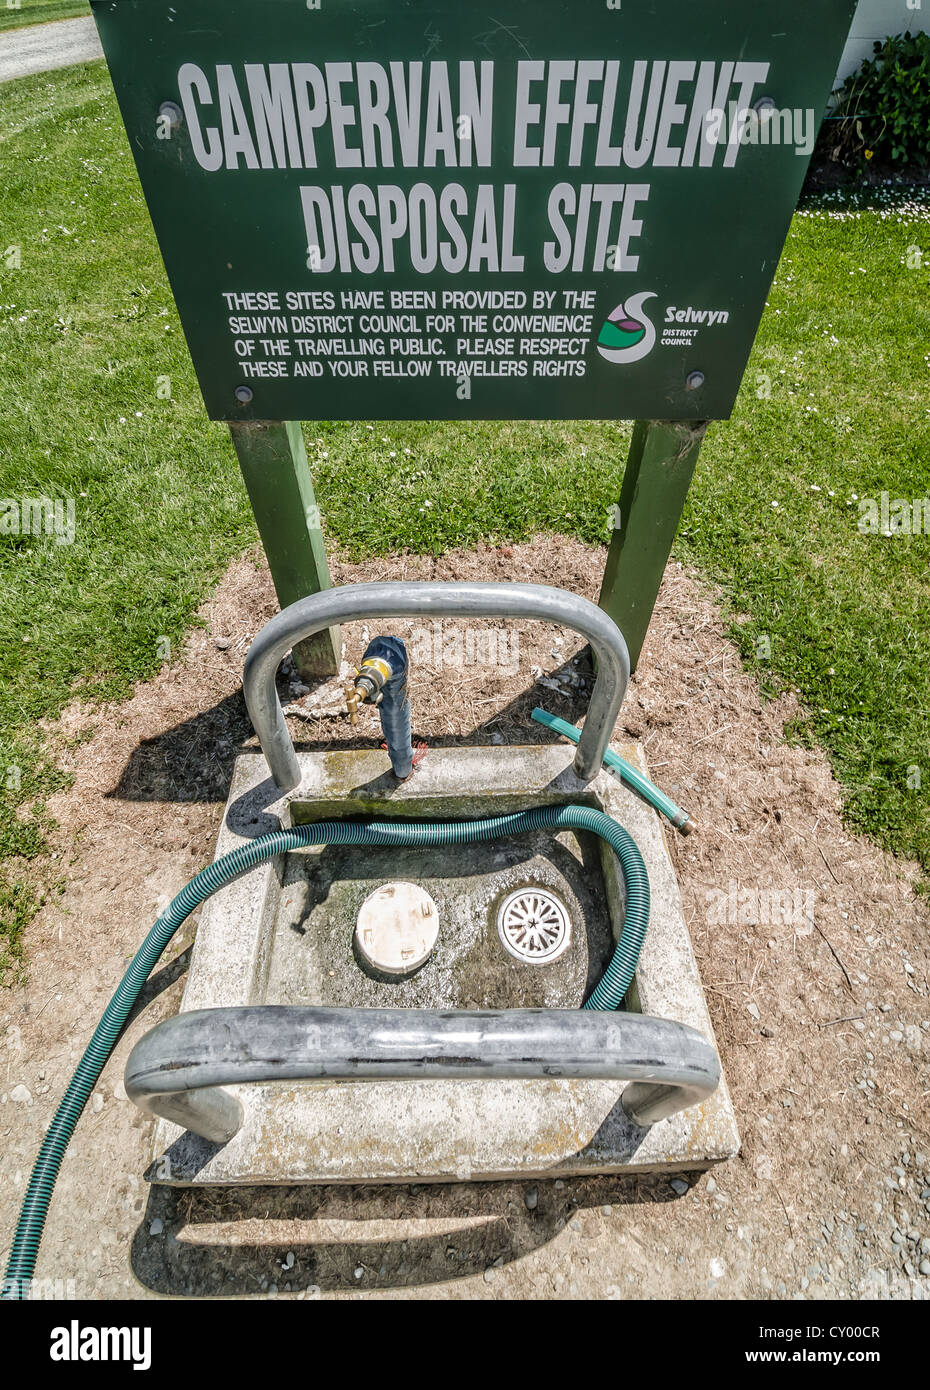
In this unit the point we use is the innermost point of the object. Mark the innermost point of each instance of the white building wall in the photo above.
(876, 19)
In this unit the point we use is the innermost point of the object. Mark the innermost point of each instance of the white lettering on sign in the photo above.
(431, 114)
(374, 117)
(427, 115)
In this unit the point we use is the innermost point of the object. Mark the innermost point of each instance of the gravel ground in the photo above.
(822, 1015)
(41, 47)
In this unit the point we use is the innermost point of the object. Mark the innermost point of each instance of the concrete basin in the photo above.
(283, 935)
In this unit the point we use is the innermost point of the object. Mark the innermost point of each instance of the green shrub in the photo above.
(884, 108)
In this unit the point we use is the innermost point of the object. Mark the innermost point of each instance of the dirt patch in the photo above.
(812, 945)
(851, 175)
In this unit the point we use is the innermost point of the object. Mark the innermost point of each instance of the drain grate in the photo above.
(534, 926)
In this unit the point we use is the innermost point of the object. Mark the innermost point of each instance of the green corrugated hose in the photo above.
(608, 994)
(631, 775)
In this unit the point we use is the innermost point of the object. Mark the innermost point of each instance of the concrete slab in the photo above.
(311, 950)
(247, 952)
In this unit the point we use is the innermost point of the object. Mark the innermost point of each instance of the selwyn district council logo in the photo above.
(628, 334)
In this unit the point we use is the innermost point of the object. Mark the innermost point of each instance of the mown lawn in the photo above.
(40, 12)
(87, 326)
(787, 483)
(835, 404)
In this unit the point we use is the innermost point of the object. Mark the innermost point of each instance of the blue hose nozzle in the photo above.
(382, 678)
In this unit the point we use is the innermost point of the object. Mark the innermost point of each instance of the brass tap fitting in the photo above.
(353, 700)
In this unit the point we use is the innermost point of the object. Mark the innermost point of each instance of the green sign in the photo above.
(419, 208)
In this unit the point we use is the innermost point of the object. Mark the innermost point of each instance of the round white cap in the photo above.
(397, 928)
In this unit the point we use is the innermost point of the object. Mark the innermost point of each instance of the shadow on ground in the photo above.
(193, 760)
(313, 1240)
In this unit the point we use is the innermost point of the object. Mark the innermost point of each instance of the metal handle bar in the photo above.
(357, 601)
(178, 1069)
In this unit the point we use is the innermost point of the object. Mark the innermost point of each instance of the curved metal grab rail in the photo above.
(179, 1068)
(402, 600)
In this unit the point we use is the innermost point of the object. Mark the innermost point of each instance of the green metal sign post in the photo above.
(274, 465)
(408, 209)
(658, 473)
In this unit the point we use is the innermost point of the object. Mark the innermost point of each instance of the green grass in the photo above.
(835, 408)
(40, 12)
(87, 325)
(846, 346)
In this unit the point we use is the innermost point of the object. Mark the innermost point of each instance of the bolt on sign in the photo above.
(401, 209)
